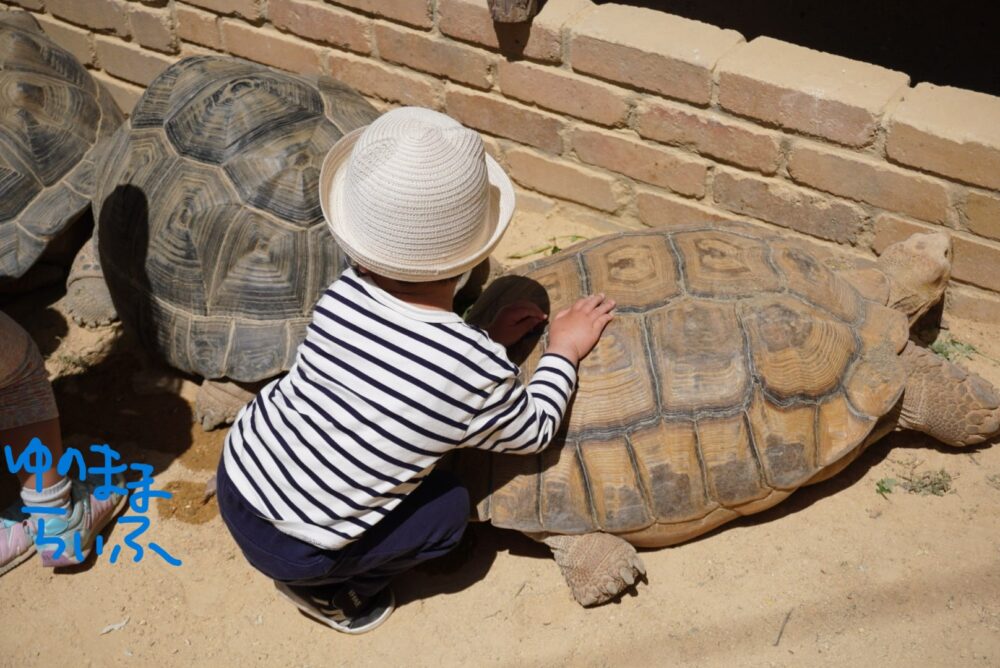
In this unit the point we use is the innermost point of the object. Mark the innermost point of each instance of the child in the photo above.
(64, 506)
(327, 481)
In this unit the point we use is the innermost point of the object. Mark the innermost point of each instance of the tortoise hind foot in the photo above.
(88, 301)
(218, 402)
(597, 566)
(947, 402)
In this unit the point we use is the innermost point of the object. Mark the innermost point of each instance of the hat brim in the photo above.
(331, 198)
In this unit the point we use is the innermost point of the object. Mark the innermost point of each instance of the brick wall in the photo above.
(628, 115)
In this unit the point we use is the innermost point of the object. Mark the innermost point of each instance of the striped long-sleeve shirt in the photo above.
(379, 392)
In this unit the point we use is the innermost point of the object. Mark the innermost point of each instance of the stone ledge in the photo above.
(948, 131)
(808, 91)
(470, 21)
(650, 50)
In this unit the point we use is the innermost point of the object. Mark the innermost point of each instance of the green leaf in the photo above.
(885, 486)
(534, 251)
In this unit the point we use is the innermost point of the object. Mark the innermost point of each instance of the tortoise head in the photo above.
(918, 269)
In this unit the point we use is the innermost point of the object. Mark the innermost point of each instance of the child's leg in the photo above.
(347, 589)
(28, 411)
(275, 554)
(426, 524)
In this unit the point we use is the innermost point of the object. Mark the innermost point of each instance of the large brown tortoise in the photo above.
(54, 119)
(739, 367)
(209, 229)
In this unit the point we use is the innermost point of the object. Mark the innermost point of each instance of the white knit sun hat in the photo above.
(414, 196)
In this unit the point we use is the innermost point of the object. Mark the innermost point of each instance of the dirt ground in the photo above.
(838, 574)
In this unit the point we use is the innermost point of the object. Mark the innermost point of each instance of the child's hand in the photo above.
(575, 331)
(514, 321)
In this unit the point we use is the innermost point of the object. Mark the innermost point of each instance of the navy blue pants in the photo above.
(426, 524)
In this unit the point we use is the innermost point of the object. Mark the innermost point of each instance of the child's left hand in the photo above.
(514, 321)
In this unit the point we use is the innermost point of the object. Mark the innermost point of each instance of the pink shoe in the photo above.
(17, 539)
(56, 539)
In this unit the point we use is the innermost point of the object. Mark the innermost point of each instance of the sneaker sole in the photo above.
(20, 559)
(311, 612)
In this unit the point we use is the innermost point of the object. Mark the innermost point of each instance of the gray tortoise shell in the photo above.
(54, 117)
(210, 231)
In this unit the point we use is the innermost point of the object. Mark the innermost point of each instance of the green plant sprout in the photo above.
(550, 248)
(937, 483)
(952, 349)
(885, 486)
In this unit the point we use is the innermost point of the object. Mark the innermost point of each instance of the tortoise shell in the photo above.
(210, 231)
(53, 118)
(737, 368)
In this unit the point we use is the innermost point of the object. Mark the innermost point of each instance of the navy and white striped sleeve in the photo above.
(521, 419)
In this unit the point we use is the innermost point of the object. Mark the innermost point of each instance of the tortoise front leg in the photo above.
(947, 402)
(219, 401)
(87, 298)
(597, 566)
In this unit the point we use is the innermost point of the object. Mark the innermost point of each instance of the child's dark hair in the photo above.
(437, 281)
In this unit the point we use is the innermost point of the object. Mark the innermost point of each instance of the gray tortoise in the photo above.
(739, 367)
(209, 229)
(54, 120)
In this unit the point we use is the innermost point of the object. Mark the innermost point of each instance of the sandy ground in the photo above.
(836, 575)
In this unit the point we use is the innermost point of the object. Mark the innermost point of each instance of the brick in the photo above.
(195, 25)
(659, 166)
(970, 304)
(97, 14)
(124, 94)
(651, 50)
(393, 84)
(412, 12)
(974, 260)
(662, 210)
(153, 28)
(129, 62)
(948, 131)
(532, 203)
(470, 21)
(270, 47)
(435, 55)
(598, 222)
(493, 148)
(889, 229)
(499, 117)
(710, 134)
(982, 214)
(564, 92)
(808, 91)
(248, 9)
(189, 49)
(562, 179)
(322, 23)
(875, 182)
(75, 40)
(788, 206)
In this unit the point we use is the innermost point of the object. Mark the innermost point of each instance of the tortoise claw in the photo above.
(597, 566)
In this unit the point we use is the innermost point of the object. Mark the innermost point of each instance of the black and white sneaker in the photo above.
(339, 608)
